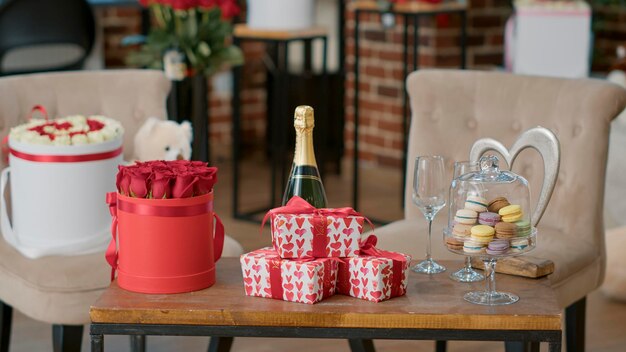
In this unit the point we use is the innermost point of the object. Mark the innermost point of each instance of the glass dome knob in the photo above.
(489, 166)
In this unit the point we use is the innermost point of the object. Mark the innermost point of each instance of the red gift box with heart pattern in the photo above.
(375, 275)
(300, 230)
(265, 274)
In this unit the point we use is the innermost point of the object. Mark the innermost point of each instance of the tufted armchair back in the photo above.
(452, 109)
(129, 96)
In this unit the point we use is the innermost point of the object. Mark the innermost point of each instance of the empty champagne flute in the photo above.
(429, 195)
(467, 273)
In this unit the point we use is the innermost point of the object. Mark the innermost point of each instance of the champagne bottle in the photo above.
(304, 178)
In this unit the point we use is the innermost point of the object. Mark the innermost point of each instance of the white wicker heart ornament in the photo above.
(542, 140)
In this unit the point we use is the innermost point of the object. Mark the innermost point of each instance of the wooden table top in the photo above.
(412, 7)
(243, 31)
(432, 302)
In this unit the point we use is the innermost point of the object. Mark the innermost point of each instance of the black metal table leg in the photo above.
(575, 325)
(359, 345)
(235, 133)
(441, 346)
(554, 347)
(220, 344)
(463, 39)
(286, 115)
(325, 108)
(97, 343)
(355, 103)
(138, 343)
(406, 118)
(405, 101)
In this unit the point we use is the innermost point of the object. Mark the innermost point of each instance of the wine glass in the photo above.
(429, 194)
(467, 273)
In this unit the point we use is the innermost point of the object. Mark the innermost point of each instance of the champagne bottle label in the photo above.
(304, 178)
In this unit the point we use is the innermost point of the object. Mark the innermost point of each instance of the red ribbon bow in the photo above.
(111, 253)
(297, 205)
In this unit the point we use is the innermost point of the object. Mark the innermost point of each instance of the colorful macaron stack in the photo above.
(494, 227)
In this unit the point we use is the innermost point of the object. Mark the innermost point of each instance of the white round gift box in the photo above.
(59, 208)
(281, 14)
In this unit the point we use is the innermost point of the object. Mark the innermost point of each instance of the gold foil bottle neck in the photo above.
(304, 122)
(304, 118)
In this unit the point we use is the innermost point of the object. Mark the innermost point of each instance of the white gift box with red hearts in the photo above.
(374, 278)
(309, 235)
(267, 275)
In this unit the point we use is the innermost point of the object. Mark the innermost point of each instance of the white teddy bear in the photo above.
(163, 140)
(167, 140)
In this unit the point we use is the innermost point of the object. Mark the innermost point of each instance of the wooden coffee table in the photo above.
(433, 309)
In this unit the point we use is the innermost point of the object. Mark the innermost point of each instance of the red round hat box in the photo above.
(165, 245)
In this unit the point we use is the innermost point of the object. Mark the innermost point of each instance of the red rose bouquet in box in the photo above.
(166, 179)
(163, 212)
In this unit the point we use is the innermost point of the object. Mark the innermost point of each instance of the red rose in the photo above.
(207, 177)
(229, 9)
(162, 179)
(184, 185)
(183, 4)
(123, 180)
(207, 4)
(139, 180)
(178, 166)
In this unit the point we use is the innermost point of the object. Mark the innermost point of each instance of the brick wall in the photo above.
(381, 65)
(381, 79)
(609, 26)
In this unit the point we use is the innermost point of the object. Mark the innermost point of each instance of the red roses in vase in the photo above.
(166, 179)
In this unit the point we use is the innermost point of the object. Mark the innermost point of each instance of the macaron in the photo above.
(523, 228)
(518, 244)
(497, 203)
(466, 216)
(511, 213)
(482, 233)
(471, 246)
(476, 203)
(497, 247)
(505, 230)
(461, 231)
(488, 218)
(454, 244)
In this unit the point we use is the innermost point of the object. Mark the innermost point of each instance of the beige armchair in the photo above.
(59, 290)
(452, 109)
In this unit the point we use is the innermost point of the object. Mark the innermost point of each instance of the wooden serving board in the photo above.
(525, 266)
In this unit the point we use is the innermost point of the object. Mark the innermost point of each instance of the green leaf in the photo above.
(204, 49)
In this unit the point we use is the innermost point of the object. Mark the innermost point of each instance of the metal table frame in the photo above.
(406, 117)
(278, 118)
(98, 330)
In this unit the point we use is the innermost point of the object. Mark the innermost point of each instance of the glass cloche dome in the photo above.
(489, 214)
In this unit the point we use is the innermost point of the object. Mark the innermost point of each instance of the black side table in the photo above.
(281, 112)
(408, 11)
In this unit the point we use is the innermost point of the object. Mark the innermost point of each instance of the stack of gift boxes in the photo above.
(317, 253)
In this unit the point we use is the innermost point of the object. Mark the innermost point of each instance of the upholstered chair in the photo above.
(60, 289)
(452, 109)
